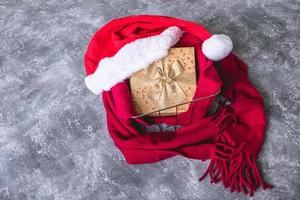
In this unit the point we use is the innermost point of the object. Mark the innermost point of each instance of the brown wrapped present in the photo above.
(167, 82)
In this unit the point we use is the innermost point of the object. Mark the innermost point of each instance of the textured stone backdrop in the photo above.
(53, 138)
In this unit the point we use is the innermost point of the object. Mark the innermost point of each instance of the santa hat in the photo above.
(140, 53)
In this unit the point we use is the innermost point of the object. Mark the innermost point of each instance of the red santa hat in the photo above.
(140, 53)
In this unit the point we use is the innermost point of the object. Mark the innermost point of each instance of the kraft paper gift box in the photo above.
(165, 83)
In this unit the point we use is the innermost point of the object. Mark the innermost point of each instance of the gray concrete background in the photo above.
(53, 137)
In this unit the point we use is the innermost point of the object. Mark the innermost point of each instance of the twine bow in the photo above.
(166, 88)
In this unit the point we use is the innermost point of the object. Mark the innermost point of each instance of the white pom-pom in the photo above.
(217, 47)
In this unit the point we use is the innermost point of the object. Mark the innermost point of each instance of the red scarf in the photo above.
(231, 138)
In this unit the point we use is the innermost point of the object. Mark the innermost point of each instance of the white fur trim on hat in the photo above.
(131, 58)
(217, 47)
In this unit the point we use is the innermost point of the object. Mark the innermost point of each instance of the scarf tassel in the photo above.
(237, 170)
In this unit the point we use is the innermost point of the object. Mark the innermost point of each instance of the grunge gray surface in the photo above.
(53, 138)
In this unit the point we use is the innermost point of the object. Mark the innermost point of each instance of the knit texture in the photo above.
(231, 138)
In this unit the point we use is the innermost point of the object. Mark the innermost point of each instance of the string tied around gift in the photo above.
(176, 113)
(187, 102)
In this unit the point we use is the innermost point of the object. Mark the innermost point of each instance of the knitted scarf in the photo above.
(231, 137)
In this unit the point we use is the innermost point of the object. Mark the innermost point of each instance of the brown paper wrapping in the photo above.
(167, 82)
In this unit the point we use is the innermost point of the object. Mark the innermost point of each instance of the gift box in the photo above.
(166, 83)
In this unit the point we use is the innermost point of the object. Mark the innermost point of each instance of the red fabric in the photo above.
(231, 138)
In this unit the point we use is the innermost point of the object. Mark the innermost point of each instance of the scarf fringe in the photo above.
(236, 168)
